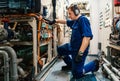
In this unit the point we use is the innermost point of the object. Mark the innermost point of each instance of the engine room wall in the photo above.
(101, 22)
(105, 23)
(94, 20)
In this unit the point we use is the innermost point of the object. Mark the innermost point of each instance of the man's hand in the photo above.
(50, 22)
(79, 57)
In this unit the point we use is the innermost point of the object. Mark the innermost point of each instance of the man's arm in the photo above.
(60, 21)
(85, 43)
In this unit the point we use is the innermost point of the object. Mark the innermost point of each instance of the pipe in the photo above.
(110, 73)
(6, 65)
(116, 71)
(106, 61)
(13, 62)
(113, 68)
(21, 71)
(34, 30)
(54, 8)
(35, 42)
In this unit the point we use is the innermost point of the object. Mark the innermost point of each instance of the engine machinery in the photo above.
(19, 6)
(14, 16)
(115, 40)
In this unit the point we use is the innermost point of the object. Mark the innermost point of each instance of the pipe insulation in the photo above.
(6, 65)
(13, 62)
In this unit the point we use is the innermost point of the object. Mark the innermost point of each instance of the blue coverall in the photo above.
(80, 28)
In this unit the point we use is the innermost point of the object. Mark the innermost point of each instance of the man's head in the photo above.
(73, 12)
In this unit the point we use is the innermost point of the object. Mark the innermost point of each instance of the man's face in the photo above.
(71, 14)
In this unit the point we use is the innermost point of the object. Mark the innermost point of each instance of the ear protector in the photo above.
(76, 10)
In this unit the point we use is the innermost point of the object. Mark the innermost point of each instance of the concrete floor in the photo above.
(55, 73)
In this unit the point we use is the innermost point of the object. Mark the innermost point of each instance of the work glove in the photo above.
(50, 22)
(78, 57)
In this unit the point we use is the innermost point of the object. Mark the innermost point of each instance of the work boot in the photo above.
(66, 68)
(96, 64)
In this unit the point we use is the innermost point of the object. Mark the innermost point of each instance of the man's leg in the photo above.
(77, 67)
(64, 52)
(92, 66)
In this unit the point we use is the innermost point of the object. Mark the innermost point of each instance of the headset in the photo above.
(76, 10)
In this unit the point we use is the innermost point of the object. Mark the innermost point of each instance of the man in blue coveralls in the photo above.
(79, 44)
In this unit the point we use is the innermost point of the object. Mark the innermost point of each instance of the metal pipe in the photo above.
(21, 71)
(113, 68)
(34, 29)
(110, 73)
(106, 61)
(35, 42)
(13, 62)
(6, 65)
(55, 41)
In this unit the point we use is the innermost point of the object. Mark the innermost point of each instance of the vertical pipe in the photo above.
(54, 8)
(108, 53)
(13, 62)
(38, 42)
(112, 8)
(49, 50)
(34, 27)
(6, 65)
(55, 40)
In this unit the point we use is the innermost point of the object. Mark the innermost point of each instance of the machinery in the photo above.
(27, 43)
(115, 40)
(19, 6)
(21, 41)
